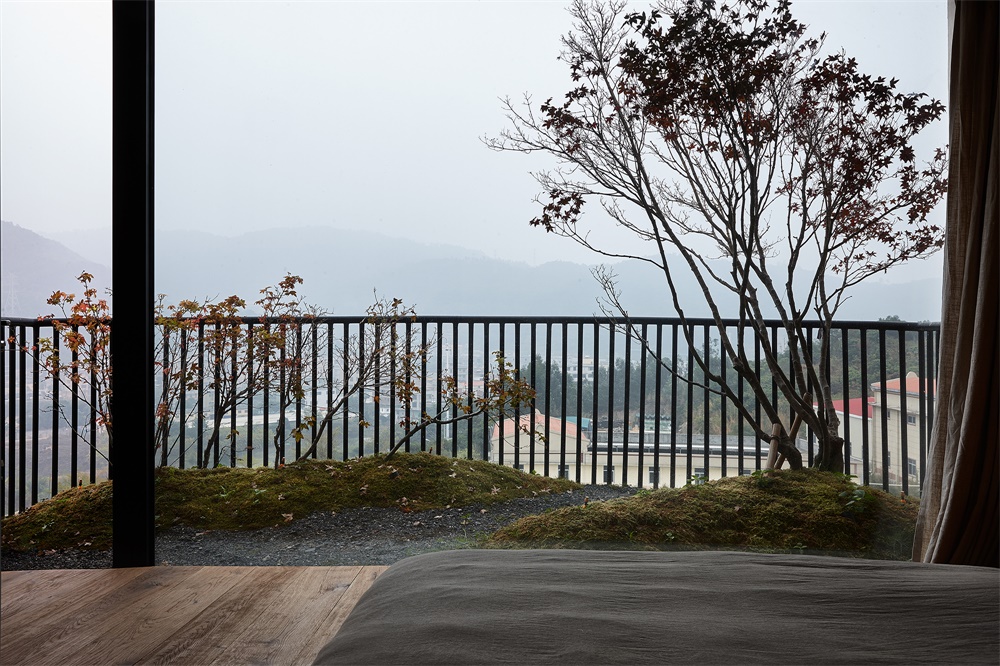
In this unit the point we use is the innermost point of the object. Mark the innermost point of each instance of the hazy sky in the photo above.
(356, 115)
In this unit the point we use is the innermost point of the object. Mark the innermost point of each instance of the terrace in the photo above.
(182, 616)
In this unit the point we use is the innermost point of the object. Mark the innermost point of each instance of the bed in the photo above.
(626, 607)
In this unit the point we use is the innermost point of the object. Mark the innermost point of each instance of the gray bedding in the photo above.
(614, 607)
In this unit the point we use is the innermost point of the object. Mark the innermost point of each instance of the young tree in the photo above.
(503, 393)
(719, 132)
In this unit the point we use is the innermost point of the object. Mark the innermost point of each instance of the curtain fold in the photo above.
(959, 519)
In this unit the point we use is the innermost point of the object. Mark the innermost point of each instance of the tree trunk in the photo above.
(830, 456)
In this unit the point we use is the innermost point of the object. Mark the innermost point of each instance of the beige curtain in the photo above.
(959, 519)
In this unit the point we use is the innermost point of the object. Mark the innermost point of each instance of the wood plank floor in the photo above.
(175, 615)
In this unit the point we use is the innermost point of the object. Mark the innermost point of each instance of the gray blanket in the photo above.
(613, 607)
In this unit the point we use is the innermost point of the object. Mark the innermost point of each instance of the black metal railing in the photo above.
(605, 410)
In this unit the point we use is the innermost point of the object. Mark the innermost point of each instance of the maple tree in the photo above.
(722, 137)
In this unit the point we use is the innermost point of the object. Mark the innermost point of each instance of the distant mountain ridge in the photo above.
(343, 269)
(32, 267)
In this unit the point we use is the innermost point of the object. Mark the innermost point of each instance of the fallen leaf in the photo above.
(288, 517)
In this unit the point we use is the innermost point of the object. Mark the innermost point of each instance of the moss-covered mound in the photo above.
(225, 498)
(800, 511)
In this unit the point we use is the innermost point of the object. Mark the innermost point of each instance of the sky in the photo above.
(363, 115)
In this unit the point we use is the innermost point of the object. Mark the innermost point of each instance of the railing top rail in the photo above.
(840, 325)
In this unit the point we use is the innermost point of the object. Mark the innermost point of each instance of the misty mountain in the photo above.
(32, 267)
(344, 269)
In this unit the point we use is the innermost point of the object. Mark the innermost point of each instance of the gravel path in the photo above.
(351, 537)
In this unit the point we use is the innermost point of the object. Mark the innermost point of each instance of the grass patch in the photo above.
(226, 498)
(784, 511)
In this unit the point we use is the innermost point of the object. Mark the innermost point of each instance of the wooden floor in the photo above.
(175, 615)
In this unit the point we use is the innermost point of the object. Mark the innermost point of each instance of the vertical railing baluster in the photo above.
(673, 405)
(56, 411)
(658, 397)
(884, 409)
(470, 386)
(707, 397)
(533, 378)
(563, 469)
(486, 374)
(723, 439)
(609, 478)
(22, 414)
(423, 382)
(548, 396)
(35, 381)
(626, 416)
(866, 411)
(904, 417)
(642, 405)
(845, 382)
(596, 398)
(689, 444)
(6, 461)
(74, 435)
(579, 401)
(345, 371)
(329, 390)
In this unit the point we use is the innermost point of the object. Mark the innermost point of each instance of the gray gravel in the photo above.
(351, 537)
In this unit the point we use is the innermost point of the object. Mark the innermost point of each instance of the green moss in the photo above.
(800, 511)
(225, 498)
